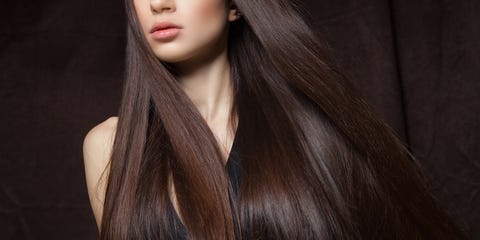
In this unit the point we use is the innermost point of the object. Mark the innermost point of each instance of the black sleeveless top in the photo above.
(234, 169)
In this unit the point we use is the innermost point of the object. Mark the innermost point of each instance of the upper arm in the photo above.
(97, 149)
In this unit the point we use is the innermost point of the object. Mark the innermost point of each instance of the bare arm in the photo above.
(97, 149)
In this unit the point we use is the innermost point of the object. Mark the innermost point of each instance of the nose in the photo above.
(159, 6)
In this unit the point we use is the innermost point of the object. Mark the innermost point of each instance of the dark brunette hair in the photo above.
(318, 163)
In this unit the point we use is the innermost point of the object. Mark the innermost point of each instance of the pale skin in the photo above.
(199, 53)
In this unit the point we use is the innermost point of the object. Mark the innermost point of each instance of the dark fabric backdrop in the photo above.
(61, 66)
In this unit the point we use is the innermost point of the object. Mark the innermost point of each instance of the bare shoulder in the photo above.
(100, 137)
(97, 149)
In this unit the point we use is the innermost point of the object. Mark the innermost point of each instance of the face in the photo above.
(203, 23)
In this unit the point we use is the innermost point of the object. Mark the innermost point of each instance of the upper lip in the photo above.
(162, 25)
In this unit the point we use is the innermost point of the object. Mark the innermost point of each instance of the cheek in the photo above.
(207, 9)
(206, 14)
(142, 9)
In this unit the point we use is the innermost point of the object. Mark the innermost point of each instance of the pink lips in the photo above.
(165, 34)
(165, 30)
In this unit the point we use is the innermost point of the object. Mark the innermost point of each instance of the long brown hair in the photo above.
(318, 163)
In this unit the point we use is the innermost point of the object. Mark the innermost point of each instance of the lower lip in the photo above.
(166, 34)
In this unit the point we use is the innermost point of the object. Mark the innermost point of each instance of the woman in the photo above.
(246, 81)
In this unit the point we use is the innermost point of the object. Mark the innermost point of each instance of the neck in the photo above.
(207, 82)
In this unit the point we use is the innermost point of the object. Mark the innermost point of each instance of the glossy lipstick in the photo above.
(165, 30)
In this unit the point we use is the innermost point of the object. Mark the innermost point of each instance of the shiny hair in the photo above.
(318, 162)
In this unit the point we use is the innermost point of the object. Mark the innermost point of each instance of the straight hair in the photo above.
(318, 162)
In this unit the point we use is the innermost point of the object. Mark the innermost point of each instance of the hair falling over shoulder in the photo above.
(318, 163)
